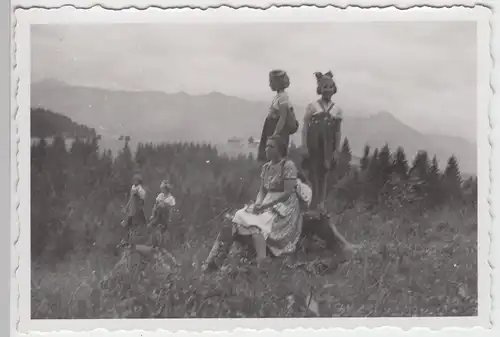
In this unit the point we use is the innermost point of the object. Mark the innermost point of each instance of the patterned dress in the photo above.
(323, 121)
(281, 224)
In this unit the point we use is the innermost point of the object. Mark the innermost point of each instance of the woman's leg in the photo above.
(313, 178)
(154, 218)
(260, 246)
(346, 244)
(322, 184)
(328, 232)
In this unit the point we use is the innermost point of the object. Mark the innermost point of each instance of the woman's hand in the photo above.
(304, 151)
(336, 155)
(257, 208)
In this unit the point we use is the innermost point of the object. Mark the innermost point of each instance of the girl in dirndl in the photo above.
(274, 220)
(321, 137)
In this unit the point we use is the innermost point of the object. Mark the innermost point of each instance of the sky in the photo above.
(424, 73)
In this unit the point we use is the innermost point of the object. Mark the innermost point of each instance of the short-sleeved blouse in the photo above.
(316, 107)
(274, 175)
(281, 99)
(164, 200)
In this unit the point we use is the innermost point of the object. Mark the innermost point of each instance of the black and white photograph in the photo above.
(247, 169)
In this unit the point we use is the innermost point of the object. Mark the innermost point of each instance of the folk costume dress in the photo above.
(280, 225)
(323, 120)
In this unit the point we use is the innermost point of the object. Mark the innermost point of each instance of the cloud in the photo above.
(419, 71)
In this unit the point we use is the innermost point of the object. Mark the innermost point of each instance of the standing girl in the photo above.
(134, 209)
(162, 213)
(321, 137)
(164, 203)
(281, 119)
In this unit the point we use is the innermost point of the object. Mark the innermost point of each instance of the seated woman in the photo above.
(275, 220)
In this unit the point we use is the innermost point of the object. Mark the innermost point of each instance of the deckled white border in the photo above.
(97, 14)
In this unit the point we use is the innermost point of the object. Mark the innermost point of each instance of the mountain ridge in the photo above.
(158, 116)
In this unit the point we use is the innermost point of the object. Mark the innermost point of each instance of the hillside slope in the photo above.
(45, 124)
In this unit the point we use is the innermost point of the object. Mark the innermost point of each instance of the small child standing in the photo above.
(163, 204)
(162, 211)
(134, 209)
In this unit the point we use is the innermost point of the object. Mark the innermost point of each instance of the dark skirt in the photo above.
(137, 220)
(267, 131)
(136, 228)
(161, 217)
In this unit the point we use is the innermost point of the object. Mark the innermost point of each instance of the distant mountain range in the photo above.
(215, 118)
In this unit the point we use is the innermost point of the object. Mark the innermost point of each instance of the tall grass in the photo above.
(411, 264)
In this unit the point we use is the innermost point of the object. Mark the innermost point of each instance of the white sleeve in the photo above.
(337, 112)
(170, 200)
(141, 192)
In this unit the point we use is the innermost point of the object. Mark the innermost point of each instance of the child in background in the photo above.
(162, 210)
(163, 204)
(134, 209)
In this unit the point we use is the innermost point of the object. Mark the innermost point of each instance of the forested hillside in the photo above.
(417, 225)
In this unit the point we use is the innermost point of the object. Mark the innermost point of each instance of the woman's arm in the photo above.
(289, 182)
(338, 130)
(338, 134)
(262, 191)
(289, 189)
(305, 127)
(127, 205)
(282, 112)
(260, 195)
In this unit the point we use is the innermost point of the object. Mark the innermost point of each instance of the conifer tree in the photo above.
(124, 166)
(346, 151)
(433, 176)
(365, 160)
(384, 163)
(434, 185)
(400, 163)
(373, 166)
(344, 160)
(420, 167)
(57, 164)
(452, 178)
(38, 154)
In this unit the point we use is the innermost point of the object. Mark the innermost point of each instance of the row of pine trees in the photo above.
(77, 192)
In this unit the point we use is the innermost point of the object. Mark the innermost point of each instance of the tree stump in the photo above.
(319, 224)
(314, 224)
